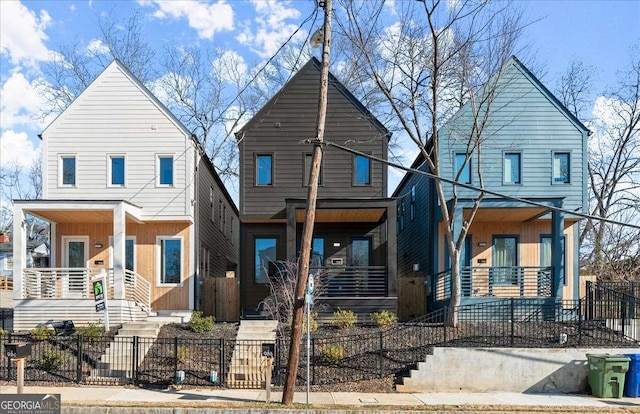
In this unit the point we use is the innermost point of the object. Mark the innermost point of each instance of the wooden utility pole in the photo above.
(307, 230)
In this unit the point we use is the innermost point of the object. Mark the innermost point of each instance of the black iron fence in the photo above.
(333, 359)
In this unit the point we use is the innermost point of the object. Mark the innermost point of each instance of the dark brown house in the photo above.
(354, 243)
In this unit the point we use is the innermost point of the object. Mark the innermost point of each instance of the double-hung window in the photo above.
(165, 170)
(264, 169)
(561, 168)
(170, 258)
(463, 167)
(512, 168)
(361, 170)
(68, 170)
(116, 170)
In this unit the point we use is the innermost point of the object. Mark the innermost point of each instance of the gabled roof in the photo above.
(333, 81)
(536, 82)
(117, 64)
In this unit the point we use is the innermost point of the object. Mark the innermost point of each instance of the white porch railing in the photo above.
(76, 283)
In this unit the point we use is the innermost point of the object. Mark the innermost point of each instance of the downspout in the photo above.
(196, 226)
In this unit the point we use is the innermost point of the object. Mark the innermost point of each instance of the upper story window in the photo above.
(308, 162)
(264, 169)
(361, 170)
(412, 207)
(116, 171)
(67, 171)
(165, 170)
(463, 167)
(561, 167)
(512, 168)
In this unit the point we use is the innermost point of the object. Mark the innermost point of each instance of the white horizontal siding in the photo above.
(114, 116)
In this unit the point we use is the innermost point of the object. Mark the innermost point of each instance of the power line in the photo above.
(481, 190)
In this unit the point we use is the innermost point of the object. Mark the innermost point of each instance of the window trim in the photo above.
(354, 174)
(306, 176)
(412, 205)
(553, 167)
(110, 158)
(173, 170)
(61, 158)
(467, 165)
(520, 175)
(159, 282)
(255, 161)
(262, 237)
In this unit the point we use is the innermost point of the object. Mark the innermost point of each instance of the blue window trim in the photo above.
(163, 180)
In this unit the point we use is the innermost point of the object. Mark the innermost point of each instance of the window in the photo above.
(317, 253)
(165, 170)
(561, 167)
(68, 170)
(170, 260)
(361, 170)
(116, 169)
(412, 208)
(505, 260)
(264, 169)
(308, 161)
(463, 167)
(264, 253)
(512, 167)
(212, 197)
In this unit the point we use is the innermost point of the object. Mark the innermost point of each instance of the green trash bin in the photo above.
(606, 374)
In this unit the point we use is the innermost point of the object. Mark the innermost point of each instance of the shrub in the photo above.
(93, 332)
(199, 323)
(344, 318)
(52, 359)
(4, 332)
(332, 354)
(182, 353)
(384, 318)
(41, 333)
(313, 323)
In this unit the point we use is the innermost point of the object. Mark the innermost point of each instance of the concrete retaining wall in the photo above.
(6, 298)
(504, 369)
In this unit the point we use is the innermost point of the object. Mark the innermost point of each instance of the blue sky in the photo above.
(599, 33)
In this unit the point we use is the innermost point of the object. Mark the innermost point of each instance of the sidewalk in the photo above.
(139, 397)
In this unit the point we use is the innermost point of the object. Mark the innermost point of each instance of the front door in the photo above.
(360, 252)
(75, 256)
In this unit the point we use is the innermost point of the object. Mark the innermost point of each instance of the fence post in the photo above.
(134, 360)
(579, 322)
(79, 360)
(223, 376)
(175, 355)
(444, 324)
(512, 316)
(381, 354)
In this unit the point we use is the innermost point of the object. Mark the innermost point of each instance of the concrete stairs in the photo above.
(116, 364)
(248, 366)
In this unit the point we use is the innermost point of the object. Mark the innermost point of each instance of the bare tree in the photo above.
(439, 56)
(609, 251)
(17, 184)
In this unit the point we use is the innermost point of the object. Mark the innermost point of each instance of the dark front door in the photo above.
(360, 251)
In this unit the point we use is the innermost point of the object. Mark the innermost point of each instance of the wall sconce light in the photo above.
(336, 244)
(416, 267)
(98, 245)
(482, 244)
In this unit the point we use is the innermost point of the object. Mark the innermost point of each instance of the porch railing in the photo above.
(507, 282)
(76, 283)
(352, 281)
(6, 282)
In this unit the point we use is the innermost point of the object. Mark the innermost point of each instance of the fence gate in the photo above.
(412, 298)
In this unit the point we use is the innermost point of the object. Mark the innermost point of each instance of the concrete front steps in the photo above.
(116, 365)
(248, 366)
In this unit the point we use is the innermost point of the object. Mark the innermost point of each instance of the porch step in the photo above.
(248, 366)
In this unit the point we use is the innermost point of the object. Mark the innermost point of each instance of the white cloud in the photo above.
(20, 105)
(22, 35)
(205, 18)
(17, 149)
(230, 67)
(72, 7)
(96, 47)
(272, 29)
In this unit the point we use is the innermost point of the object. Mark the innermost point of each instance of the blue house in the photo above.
(532, 149)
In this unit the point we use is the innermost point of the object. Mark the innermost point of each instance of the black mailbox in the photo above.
(17, 350)
(268, 350)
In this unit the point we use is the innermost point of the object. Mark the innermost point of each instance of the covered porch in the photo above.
(88, 241)
(354, 252)
(512, 250)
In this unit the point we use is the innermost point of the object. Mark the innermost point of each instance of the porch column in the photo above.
(19, 251)
(392, 250)
(557, 251)
(119, 250)
(291, 232)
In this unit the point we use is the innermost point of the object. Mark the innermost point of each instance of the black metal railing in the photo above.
(364, 281)
(514, 322)
(495, 282)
